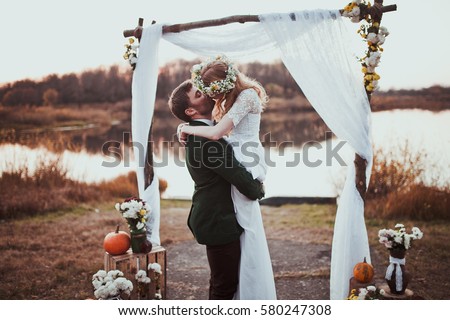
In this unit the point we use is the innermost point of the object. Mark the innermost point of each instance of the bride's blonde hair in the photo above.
(217, 70)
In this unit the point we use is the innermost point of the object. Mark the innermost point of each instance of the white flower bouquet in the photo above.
(156, 268)
(398, 238)
(143, 280)
(141, 277)
(111, 285)
(135, 211)
(369, 293)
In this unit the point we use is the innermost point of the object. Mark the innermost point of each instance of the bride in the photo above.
(239, 103)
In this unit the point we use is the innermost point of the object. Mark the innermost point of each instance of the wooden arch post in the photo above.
(376, 12)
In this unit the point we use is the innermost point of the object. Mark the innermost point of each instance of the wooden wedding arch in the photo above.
(376, 12)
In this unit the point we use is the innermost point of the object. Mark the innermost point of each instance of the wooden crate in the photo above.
(130, 263)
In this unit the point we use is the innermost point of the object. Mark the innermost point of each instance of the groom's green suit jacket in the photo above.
(214, 169)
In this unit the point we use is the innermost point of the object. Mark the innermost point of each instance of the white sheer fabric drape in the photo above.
(233, 40)
(145, 78)
(313, 48)
(314, 51)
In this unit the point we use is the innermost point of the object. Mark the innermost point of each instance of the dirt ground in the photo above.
(299, 275)
(301, 260)
(35, 266)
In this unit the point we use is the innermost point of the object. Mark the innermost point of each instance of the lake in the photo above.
(295, 171)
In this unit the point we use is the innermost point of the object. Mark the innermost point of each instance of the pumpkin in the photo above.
(363, 271)
(117, 242)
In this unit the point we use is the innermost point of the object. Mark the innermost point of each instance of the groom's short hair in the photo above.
(179, 100)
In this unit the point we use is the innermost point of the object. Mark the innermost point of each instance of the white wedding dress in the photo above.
(256, 281)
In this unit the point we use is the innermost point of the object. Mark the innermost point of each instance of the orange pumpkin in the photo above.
(363, 271)
(117, 242)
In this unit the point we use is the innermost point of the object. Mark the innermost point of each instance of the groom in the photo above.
(214, 169)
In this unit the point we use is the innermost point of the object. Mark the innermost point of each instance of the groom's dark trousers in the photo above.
(224, 264)
(212, 218)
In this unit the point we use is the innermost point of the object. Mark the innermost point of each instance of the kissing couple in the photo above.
(225, 214)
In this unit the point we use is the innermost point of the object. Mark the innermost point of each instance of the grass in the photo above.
(74, 115)
(304, 223)
(48, 189)
(397, 188)
(53, 256)
(417, 201)
(428, 260)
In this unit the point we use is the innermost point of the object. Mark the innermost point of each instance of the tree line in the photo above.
(113, 84)
(98, 85)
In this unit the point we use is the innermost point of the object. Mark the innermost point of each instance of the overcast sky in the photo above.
(40, 37)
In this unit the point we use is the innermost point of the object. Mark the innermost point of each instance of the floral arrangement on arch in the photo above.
(398, 238)
(111, 285)
(369, 293)
(373, 34)
(132, 48)
(136, 211)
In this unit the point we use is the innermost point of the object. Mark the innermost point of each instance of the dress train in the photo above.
(256, 281)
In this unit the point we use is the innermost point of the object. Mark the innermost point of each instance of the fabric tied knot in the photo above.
(398, 271)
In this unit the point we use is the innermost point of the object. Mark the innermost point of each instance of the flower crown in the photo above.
(215, 87)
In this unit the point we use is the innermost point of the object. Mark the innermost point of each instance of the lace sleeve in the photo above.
(246, 102)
